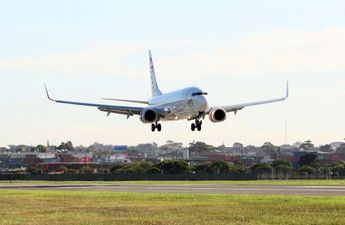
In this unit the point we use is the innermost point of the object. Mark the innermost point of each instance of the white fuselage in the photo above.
(182, 104)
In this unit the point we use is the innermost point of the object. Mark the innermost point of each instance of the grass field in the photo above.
(68, 207)
(259, 182)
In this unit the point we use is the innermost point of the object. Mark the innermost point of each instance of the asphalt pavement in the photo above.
(324, 190)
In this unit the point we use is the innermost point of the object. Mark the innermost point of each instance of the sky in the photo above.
(237, 51)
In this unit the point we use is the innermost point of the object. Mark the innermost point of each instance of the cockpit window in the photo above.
(199, 93)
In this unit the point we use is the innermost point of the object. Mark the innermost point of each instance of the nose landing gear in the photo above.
(155, 126)
(196, 125)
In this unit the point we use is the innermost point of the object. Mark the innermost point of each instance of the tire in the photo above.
(199, 127)
(153, 127)
(192, 127)
(159, 127)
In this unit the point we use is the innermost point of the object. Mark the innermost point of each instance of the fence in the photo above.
(128, 177)
(295, 175)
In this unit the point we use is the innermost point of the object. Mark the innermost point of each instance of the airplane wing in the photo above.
(236, 107)
(126, 100)
(125, 110)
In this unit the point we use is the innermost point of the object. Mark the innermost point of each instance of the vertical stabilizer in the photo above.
(154, 87)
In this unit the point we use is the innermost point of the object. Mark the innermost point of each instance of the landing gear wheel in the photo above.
(199, 127)
(155, 126)
(192, 127)
(159, 127)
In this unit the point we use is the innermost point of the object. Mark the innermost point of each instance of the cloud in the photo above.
(94, 58)
(286, 51)
(277, 52)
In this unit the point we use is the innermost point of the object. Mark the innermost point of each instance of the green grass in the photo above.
(258, 182)
(68, 207)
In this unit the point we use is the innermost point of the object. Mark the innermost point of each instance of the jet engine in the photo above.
(148, 116)
(217, 115)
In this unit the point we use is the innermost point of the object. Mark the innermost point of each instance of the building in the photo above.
(238, 148)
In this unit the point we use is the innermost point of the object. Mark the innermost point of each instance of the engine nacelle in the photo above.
(217, 115)
(148, 116)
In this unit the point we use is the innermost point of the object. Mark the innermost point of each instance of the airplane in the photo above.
(184, 104)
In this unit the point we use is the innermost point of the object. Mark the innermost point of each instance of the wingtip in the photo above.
(287, 89)
(48, 96)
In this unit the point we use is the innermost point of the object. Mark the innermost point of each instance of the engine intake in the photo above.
(148, 116)
(217, 115)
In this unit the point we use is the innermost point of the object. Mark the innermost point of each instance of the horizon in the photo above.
(183, 144)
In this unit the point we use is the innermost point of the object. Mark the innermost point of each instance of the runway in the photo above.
(325, 190)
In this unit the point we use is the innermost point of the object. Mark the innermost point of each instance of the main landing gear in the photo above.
(155, 126)
(196, 125)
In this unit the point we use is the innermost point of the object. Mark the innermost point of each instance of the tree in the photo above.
(63, 168)
(237, 168)
(268, 148)
(173, 166)
(281, 166)
(153, 170)
(170, 145)
(277, 163)
(262, 167)
(326, 170)
(308, 159)
(337, 168)
(307, 169)
(326, 148)
(122, 171)
(218, 167)
(201, 168)
(68, 146)
(137, 167)
(41, 148)
(116, 167)
(87, 170)
(71, 171)
(199, 147)
(140, 167)
(307, 146)
(144, 164)
(36, 169)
